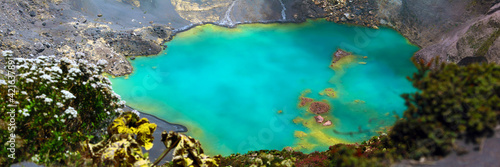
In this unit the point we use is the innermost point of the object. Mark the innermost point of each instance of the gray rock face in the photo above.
(467, 40)
(181, 14)
(113, 29)
(450, 30)
(493, 54)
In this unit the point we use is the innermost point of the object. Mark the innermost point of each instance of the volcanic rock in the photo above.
(319, 107)
(319, 119)
(327, 123)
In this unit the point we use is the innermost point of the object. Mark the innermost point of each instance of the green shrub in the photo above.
(59, 103)
(453, 102)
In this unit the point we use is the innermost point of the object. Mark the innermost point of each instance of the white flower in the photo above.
(24, 93)
(59, 104)
(82, 61)
(72, 112)
(67, 94)
(122, 102)
(55, 116)
(2, 82)
(56, 69)
(46, 77)
(39, 61)
(22, 66)
(7, 53)
(136, 112)
(119, 110)
(80, 54)
(33, 68)
(74, 70)
(107, 112)
(106, 80)
(35, 158)
(116, 95)
(65, 59)
(29, 80)
(48, 100)
(24, 75)
(43, 96)
(24, 112)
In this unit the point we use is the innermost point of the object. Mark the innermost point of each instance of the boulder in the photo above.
(319, 119)
(327, 123)
(39, 47)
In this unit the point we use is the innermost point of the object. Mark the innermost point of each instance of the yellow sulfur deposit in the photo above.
(298, 120)
(300, 134)
(328, 92)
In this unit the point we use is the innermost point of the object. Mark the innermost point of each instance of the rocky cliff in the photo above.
(114, 29)
(449, 29)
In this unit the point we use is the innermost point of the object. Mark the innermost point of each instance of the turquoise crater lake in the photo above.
(237, 89)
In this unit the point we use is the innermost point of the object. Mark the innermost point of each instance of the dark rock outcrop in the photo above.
(339, 54)
(318, 107)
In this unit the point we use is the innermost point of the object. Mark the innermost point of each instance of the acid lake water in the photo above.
(237, 89)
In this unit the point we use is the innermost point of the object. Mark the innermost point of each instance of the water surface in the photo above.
(228, 85)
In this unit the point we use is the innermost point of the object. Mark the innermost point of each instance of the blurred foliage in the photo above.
(261, 158)
(57, 104)
(187, 151)
(123, 148)
(454, 103)
(373, 152)
(130, 123)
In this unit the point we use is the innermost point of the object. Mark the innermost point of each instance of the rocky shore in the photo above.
(115, 30)
(360, 12)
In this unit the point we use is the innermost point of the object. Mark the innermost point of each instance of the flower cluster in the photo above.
(136, 112)
(68, 95)
(71, 112)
